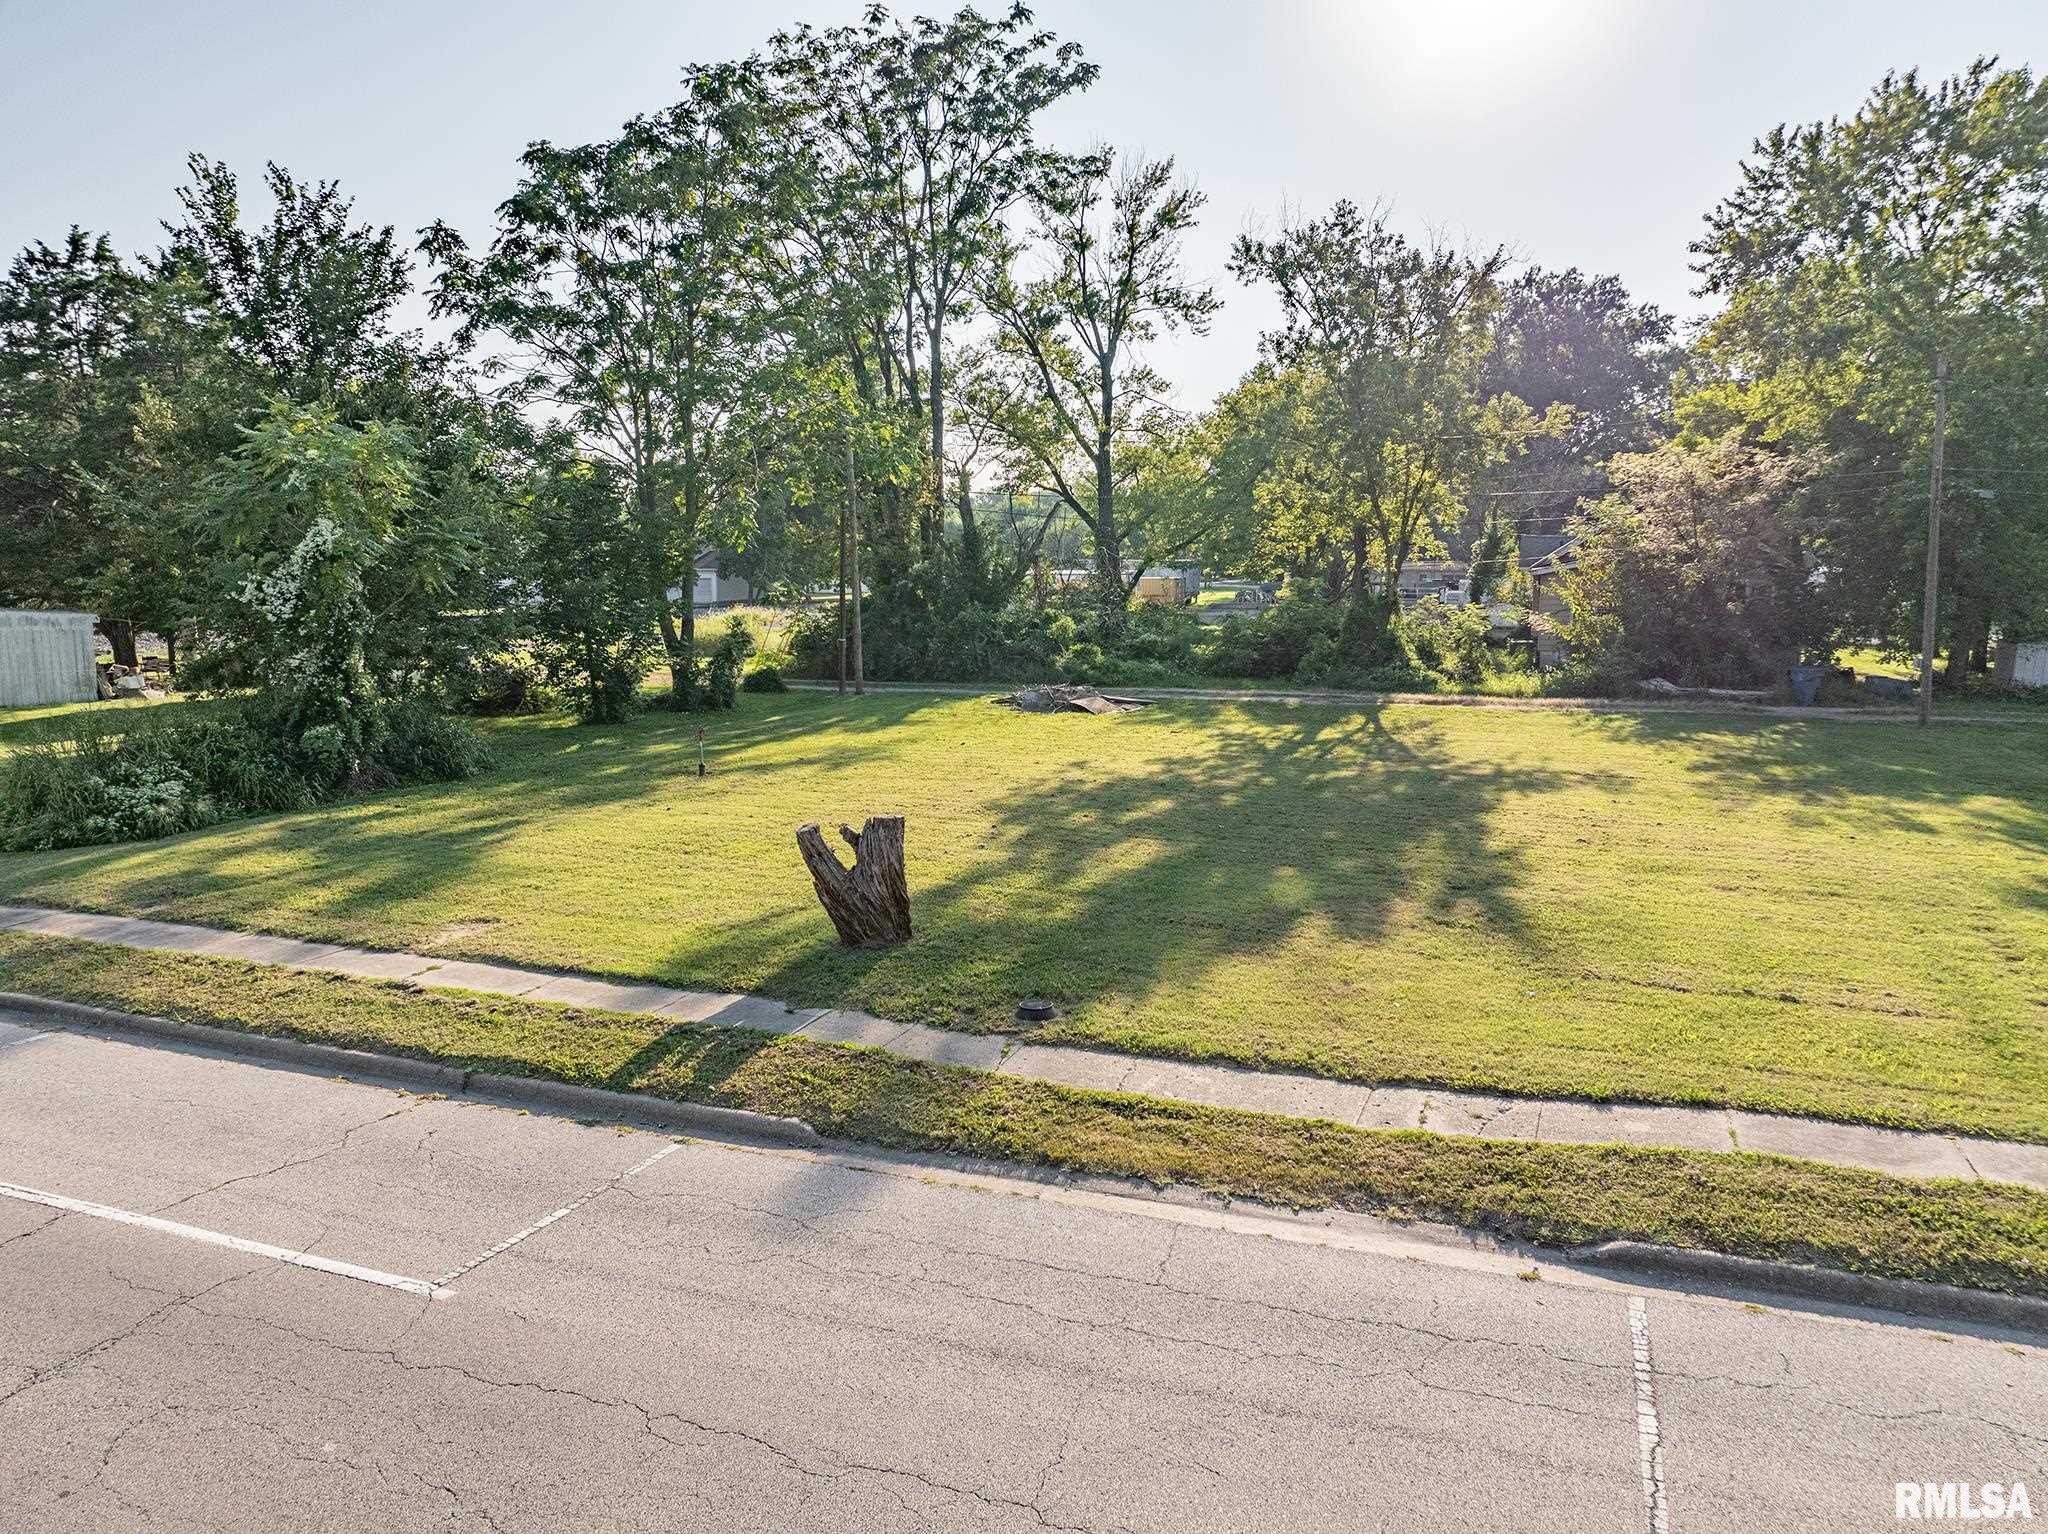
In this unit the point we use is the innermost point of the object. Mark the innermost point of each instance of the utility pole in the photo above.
(842, 601)
(853, 568)
(1933, 542)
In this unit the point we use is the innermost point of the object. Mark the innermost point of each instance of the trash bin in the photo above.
(1804, 683)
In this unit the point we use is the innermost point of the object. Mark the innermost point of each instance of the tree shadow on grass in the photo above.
(411, 843)
(1232, 844)
(1886, 776)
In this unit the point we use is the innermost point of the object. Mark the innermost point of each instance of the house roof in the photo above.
(1563, 557)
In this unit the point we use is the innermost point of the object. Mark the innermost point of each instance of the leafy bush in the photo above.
(719, 685)
(1329, 663)
(766, 677)
(160, 777)
(419, 745)
(930, 644)
(1275, 643)
(1453, 642)
(498, 682)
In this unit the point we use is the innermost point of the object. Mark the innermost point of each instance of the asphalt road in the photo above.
(244, 1298)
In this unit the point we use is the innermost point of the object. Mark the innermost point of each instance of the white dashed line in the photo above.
(563, 1213)
(1649, 1436)
(418, 1286)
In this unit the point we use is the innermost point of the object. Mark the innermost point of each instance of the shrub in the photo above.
(720, 683)
(1275, 643)
(1453, 642)
(420, 745)
(496, 683)
(160, 777)
(931, 644)
(766, 677)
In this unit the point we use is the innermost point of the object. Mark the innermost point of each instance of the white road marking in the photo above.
(1649, 1436)
(418, 1286)
(560, 1214)
(12, 1034)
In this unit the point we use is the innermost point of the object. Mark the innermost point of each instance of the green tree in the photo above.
(928, 127)
(326, 565)
(1853, 255)
(589, 612)
(67, 325)
(1382, 347)
(93, 353)
(1068, 384)
(308, 297)
(1494, 565)
(1579, 342)
(627, 277)
(1696, 568)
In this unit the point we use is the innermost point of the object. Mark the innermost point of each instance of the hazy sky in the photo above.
(1593, 133)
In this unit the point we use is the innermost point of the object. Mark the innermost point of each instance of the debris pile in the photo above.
(1063, 699)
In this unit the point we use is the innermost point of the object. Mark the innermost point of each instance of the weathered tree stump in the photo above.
(870, 902)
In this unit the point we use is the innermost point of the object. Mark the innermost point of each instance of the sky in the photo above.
(1589, 133)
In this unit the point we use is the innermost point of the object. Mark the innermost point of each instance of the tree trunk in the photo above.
(842, 599)
(869, 903)
(121, 635)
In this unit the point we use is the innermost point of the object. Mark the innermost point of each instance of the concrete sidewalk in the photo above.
(1485, 1115)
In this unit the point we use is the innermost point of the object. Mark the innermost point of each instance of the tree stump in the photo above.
(869, 903)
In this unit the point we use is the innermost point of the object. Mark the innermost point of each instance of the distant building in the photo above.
(1546, 576)
(1419, 578)
(714, 589)
(1169, 585)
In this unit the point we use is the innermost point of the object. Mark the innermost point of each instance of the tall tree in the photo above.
(626, 276)
(67, 326)
(1696, 568)
(1564, 338)
(1077, 396)
(308, 297)
(1853, 255)
(932, 124)
(1383, 344)
(95, 357)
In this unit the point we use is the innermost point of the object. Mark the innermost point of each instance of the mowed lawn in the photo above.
(1842, 918)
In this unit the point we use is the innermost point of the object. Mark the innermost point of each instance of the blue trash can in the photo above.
(1804, 683)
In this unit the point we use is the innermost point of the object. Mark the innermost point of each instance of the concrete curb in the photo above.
(1903, 1296)
(534, 1093)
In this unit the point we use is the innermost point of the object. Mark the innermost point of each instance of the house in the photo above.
(46, 657)
(1533, 546)
(2021, 663)
(1419, 578)
(714, 589)
(1546, 582)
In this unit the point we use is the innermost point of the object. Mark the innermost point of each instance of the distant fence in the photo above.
(46, 657)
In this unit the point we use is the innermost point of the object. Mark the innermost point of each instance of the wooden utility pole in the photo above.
(1933, 543)
(842, 601)
(853, 567)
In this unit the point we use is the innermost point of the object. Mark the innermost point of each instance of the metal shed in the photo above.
(46, 657)
(2022, 662)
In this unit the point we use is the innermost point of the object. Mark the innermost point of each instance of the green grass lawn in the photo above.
(1841, 918)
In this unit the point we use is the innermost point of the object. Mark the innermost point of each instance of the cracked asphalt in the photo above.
(732, 1338)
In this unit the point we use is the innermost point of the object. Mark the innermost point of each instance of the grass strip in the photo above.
(1991, 1236)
